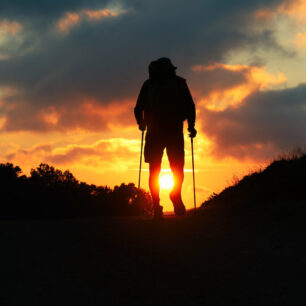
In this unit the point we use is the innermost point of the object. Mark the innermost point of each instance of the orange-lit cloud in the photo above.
(263, 125)
(106, 151)
(68, 21)
(239, 81)
(264, 14)
(78, 115)
(296, 9)
(32, 156)
(300, 40)
(72, 19)
(113, 115)
(107, 161)
(99, 14)
(50, 116)
(9, 27)
(2, 122)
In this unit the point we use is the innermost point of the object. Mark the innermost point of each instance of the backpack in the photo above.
(166, 103)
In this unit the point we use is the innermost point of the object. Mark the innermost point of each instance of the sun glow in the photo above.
(166, 181)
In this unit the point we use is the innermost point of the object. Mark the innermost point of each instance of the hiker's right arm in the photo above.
(190, 111)
(140, 105)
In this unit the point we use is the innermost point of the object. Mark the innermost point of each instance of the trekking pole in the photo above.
(194, 193)
(140, 159)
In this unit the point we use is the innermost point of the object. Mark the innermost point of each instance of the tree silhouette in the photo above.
(49, 192)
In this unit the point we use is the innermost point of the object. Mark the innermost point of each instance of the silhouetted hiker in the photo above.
(164, 102)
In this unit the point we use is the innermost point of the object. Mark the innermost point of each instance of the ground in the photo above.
(210, 259)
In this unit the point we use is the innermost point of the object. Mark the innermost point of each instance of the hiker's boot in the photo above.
(158, 211)
(179, 207)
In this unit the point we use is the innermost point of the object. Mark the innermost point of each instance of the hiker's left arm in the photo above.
(139, 108)
(191, 112)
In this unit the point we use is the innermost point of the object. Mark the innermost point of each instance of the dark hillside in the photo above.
(281, 186)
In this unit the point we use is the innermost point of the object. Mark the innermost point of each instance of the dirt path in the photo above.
(206, 260)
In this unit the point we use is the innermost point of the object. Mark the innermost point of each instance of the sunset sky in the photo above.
(71, 71)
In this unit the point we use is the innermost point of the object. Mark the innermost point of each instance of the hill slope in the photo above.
(281, 186)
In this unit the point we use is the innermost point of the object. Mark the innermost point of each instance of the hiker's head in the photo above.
(161, 68)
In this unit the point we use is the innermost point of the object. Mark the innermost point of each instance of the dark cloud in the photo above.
(106, 60)
(43, 10)
(266, 123)
(218, 78)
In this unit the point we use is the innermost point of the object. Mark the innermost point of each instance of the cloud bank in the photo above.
(104, 53)
(266, 123)
(68, 65)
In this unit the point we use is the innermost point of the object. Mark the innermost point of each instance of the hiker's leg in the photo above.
(154, 181)
(153, 153)
(178, 178)
(176, 156)
(175, 152)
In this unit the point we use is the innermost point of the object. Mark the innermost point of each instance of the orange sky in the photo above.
(70, 82)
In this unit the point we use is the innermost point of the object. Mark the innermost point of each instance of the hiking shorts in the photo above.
(172, 142)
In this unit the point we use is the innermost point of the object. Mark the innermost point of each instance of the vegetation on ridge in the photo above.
(282, 184)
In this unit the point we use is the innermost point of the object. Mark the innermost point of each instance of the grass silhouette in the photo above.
(279, 187)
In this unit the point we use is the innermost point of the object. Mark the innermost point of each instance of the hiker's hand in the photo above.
(142, 126)
(192, 132)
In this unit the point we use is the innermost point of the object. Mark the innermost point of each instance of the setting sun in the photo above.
(166, 181)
